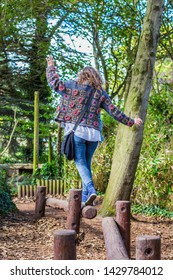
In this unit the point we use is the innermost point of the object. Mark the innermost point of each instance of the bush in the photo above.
(49, 170)
(6, 204)
(153, 183)
(3, 180)
(102, 161)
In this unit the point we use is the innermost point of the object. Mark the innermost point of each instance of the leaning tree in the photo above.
(129, 141)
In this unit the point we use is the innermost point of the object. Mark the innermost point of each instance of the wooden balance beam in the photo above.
(115, 248)
(88, 212)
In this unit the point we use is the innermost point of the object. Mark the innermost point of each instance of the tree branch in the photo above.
(12, 133)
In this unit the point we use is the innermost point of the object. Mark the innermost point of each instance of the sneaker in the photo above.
(83, 205)
(90, 199)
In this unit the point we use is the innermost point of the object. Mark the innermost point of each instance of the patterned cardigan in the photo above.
(75, 96)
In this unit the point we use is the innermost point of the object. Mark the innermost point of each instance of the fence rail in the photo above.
(53, 187)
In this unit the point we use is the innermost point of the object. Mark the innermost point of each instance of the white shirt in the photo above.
(85, 132)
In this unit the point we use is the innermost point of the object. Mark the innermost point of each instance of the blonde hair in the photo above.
(90, 75)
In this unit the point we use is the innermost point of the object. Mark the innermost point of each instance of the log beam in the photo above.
(115, 248)
(88, 212)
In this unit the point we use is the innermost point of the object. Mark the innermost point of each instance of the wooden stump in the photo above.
(123, 220)
(74, 210)
(64, 245)
(148, 247)
(40, 202)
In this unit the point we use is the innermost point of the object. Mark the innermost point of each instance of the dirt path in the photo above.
(21, 237)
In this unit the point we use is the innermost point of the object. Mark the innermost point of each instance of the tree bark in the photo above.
(36, 132)
(129, 140)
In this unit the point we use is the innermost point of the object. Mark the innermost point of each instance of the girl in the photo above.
(74, 96)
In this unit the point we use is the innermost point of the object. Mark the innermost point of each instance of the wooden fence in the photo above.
(53, 187)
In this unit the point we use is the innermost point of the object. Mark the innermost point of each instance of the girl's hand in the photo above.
(138, 121)
(50, 61)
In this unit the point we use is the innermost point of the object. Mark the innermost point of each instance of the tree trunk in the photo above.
(50, 151)
(36, 131)
(59, 154)
(129, 140)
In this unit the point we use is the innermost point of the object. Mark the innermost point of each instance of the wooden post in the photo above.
(74, 210)
(65, 245)
(40, 202)
(123, 221)
(148, 247)
(36, 131)
(115, 248)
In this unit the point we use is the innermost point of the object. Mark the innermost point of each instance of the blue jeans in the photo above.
(84, 151)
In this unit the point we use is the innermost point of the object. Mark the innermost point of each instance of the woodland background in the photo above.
(31, 30)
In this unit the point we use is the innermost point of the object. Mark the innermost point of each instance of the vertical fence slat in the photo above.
(58, 187)
(19, 191)
(50, 187)
(31, 191)
(54, 187)
(65, 186)
(61, 188)
(23, 191)
(27, 191)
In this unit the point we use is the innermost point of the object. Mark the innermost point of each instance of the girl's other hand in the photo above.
(138, 121)
(50, 61)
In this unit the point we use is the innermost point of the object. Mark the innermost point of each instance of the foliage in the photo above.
(32, 29)
(3, 180)
(6, 203)
(70, 174)
(113, 31)
(102, 163)
(151, 210)
(153, 184)
(49, 170)
(24, 44)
